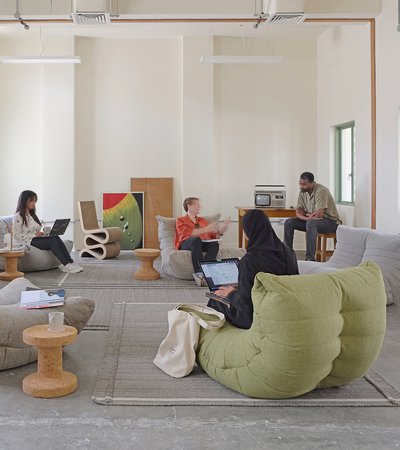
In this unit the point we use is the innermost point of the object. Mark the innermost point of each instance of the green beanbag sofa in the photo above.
(308, 332)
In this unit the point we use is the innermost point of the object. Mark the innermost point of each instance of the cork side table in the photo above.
(11, 271)
(146, 270)
(50, 380)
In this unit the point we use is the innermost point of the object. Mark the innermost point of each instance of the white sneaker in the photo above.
(77, 267)
(71, 268)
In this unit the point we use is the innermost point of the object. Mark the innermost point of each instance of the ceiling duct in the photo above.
(285, 11)
(91, 12)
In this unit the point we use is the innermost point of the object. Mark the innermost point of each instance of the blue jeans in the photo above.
(312, 228)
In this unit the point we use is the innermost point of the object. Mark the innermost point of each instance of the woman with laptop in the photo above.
(194, 233)
(265, 253)
(27, 230)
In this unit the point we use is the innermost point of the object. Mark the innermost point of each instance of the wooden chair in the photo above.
(101, 243)
(321, 252)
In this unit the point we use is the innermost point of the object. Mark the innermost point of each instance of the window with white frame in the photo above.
(344, 167)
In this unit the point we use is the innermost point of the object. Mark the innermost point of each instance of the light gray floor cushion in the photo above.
(178, 263)
(13, 320)
(356, 245)
(34, 259)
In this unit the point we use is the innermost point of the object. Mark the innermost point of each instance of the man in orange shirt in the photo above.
(191, 230)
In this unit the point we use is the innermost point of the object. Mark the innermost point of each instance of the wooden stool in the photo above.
(11, 271)
(50, 380)
(146, 270)
(321, 252)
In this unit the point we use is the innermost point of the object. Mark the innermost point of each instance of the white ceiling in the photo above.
(42, 9)
(158, 9)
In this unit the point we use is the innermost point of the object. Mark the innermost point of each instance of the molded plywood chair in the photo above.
(100, 243)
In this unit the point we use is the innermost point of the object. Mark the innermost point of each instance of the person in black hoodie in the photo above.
(265, 253)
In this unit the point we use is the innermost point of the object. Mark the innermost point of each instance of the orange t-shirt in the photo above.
(185, 227)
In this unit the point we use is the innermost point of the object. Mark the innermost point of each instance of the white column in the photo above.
(198, 153)
(58, 144)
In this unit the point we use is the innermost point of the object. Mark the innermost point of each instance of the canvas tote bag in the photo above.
(177, 353)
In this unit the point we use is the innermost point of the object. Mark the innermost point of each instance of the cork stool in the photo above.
(11, 272)
(50, 380)
(146, 270)
(321, 252)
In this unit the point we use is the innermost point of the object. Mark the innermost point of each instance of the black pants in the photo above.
(197, 247)
(55, 245)
(312, 228)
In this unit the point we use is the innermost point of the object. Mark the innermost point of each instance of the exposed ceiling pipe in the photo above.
(17, 15)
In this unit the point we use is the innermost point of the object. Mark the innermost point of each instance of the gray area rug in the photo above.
(100, 274)
(105, 298)
(111, 281)
(127, 375)
(116, 272)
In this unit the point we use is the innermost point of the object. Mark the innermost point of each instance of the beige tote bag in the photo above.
(177, 353)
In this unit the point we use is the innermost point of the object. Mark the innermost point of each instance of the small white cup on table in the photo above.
(56, 321)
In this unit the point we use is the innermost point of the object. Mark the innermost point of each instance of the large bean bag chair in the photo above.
(308, 331)
(178, 263)
(13, 321)
(33, 259)
(356, 245)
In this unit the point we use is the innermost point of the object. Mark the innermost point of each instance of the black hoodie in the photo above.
(265, 253)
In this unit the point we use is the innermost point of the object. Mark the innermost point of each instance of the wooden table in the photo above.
(270, 212)
(11, 271)
(50, 380)
(146, 270)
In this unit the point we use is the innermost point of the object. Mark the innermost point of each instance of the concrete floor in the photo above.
(76, 422)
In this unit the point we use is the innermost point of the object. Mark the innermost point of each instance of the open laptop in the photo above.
(219, 273)
(59, 227)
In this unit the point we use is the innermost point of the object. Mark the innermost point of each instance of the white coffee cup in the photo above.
(56, 321)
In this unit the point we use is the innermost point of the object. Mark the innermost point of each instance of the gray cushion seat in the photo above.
(13, 320)
(178, 263)
(34, 259)
(357, 245)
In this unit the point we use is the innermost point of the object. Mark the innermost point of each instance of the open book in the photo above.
(38, 298)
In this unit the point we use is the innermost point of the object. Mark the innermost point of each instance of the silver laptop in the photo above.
(219, 273)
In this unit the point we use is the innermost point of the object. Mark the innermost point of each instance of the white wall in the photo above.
(127, 114)
(58, 144)
(344, 95)
(36, 128)
(265, 121)
(137, 108)
(146, 108)
(388, 110)
(21, 137)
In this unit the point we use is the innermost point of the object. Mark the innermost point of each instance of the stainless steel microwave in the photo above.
(270, 196)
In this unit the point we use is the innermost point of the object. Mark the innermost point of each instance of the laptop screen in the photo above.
(59, 227)
(222, 272)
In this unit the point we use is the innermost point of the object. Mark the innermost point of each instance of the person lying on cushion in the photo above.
(265, 253)
(191, 230)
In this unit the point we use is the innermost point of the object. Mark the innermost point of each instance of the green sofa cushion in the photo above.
(308, 331)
